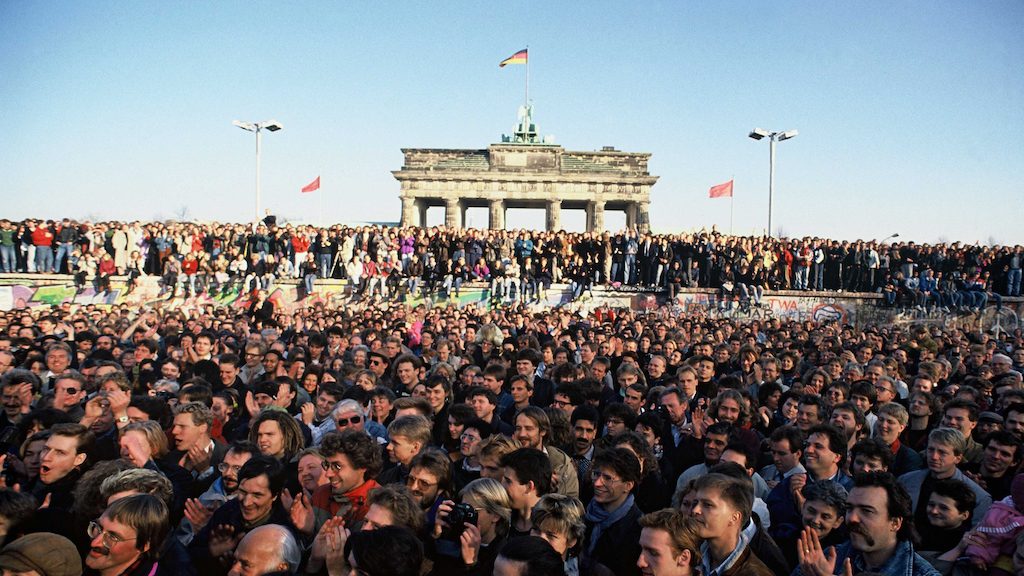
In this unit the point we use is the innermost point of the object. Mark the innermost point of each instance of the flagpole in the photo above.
(732, 197)
(321, 200)
(527, 101)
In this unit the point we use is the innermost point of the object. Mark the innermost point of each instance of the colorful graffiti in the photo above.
(21, 291)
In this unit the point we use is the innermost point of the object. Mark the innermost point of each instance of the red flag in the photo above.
(722, 190)
(314, 185)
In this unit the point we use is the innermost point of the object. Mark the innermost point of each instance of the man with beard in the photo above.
(715, 440)
(260, 482)
(879, 518)
(127, 539)
(585, 421)
(429, 481)
(533, 428)
(351, 462)
(199, 510)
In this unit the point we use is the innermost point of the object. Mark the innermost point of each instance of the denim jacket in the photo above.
(903, 562)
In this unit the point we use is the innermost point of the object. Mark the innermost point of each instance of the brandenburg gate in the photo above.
(525, 171)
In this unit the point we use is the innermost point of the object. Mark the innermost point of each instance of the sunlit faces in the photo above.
(941, 459)
(113, 547)
(340, 473)
(401, 449)
(863, 463)
(186, 434)
(584, 433)
(310, 471)
(482, 406)
(521, 392)
(867, 518)
(846, 421)
(819, 457)
(714, 515)
(958, 418)
(943, 512)
(59, 458)
(714, 445)
(423, 486)
(270, 439)
(784, 458)
(675, 408)
(821, 517)
(469, 442)
(998, 457)
(255, 498)
(528, 433)
(729, 410)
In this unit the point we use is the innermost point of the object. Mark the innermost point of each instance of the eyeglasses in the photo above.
(375, 362)
(345, 421)
(71, 391)
(327, 465)
(109, 538)
(604, 477)
(224, 467)
(413, 481)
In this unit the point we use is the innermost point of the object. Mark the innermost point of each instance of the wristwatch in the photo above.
(122, 419)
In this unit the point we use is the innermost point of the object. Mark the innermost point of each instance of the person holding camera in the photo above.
(469, 534)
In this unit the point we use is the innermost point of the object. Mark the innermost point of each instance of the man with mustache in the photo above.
(199, 510)
(879, 517)
(127, 539)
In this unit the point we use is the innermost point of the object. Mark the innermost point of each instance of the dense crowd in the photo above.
(518, 265)
(398, 440)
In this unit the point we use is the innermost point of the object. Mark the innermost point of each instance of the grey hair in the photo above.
(347, 405)
(950, 437)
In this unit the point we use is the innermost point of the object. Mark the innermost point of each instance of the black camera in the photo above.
(457, 518)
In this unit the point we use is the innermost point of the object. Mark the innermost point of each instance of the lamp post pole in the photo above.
(773, 137)
(258, 127)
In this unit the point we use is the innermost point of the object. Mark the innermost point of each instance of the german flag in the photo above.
(517, 58)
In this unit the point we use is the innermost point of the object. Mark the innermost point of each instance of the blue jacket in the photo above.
(904, 562)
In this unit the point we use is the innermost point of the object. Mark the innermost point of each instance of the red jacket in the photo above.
(42, 236)
(300, 243)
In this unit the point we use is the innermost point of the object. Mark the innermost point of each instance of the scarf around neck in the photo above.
(603, 519)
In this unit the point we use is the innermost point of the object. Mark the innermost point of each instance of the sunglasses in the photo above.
(345, 421)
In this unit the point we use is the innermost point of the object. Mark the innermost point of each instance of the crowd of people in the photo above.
(401, 440)
(517, 265)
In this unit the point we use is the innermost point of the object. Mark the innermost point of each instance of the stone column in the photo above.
(497, 221)
(643, 217)
(631, 215)
(452, 212)
(421, 209)
(596, 216)
(554, 215)
(409, 212)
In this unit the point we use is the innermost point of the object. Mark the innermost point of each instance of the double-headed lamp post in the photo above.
(257, 127)
(757, 134)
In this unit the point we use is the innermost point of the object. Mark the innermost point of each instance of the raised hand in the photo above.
(197, 513)
(308, 412)
(812, 559)
(470, 544)
(301, 512)
(223, 539)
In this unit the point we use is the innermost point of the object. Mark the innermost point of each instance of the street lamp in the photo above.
(758, 134)
(257, 127)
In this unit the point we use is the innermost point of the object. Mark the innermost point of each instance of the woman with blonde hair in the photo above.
(472, 548)
(559, 519)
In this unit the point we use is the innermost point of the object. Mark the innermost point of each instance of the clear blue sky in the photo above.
(911, 114)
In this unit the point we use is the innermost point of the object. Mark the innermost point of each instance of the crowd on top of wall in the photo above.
(515, 262)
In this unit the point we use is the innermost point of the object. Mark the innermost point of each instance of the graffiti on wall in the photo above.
(27, 292)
